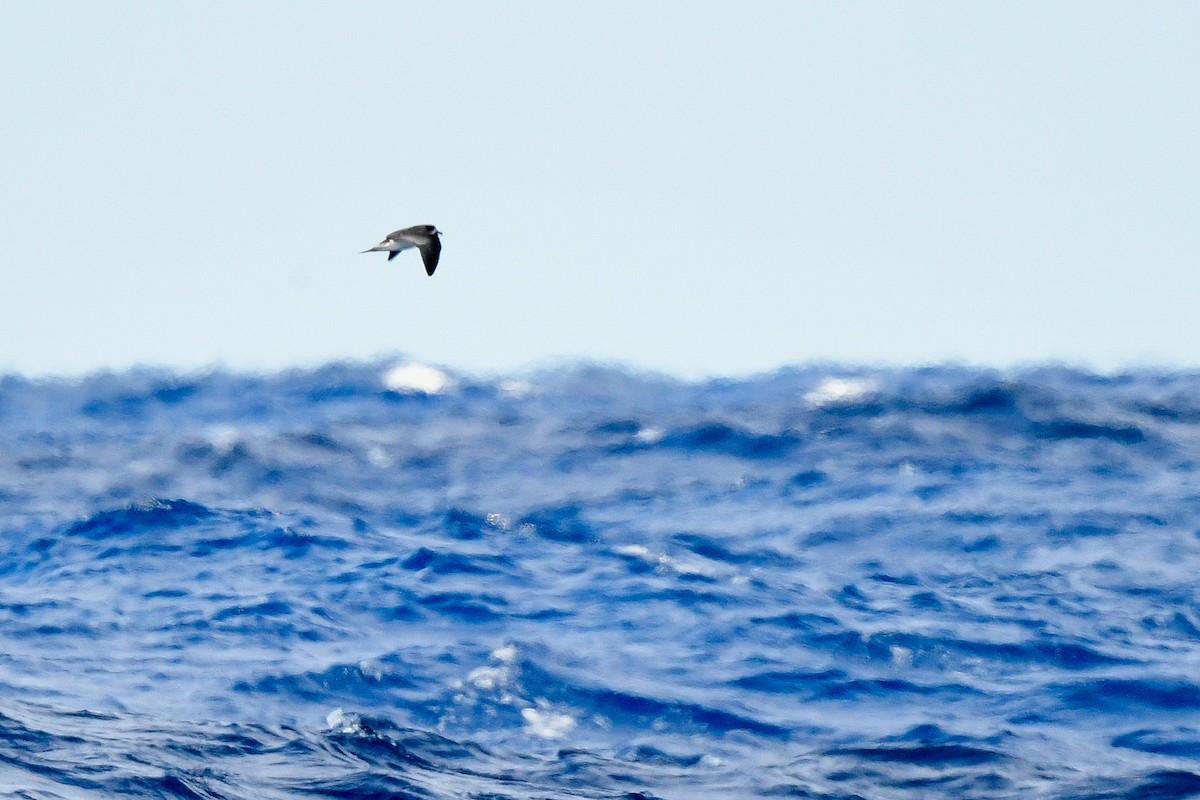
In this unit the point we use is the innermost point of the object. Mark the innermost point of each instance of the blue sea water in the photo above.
(367, 582)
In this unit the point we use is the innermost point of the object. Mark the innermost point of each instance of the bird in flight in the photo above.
(423, 237)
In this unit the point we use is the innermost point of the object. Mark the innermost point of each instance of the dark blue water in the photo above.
(821, 583)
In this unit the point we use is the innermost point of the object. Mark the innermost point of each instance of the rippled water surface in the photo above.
(375, 582)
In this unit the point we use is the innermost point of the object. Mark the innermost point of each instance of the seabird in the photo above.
(423, 237)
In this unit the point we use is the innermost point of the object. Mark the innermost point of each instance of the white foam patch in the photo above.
(412, 378)
(223, 438)
(486, 679)
(498, 676)
(341, 722)
(547, 724)
(841, 391)
(664, 562)
(506, 654)
(649, 436)
(516, 387)
(378, 457)
(637, 551)
(501, 521)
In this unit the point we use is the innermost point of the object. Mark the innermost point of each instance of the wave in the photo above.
(376, 580)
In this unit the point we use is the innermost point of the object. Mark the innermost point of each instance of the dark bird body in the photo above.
(423, 237)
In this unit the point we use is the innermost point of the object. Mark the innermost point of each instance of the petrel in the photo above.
(423, 237)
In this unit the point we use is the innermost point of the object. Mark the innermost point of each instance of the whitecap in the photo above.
(339, 721)
(507, 653)
(413, 378)
(378, 457)
(498, 520)
(637, 551)
(488, 678)
(841, 391)
(649, 435)
(664, 562)
(547, 724)
(516, 387)
(222, 438)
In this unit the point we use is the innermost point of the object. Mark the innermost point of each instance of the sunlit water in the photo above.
(371, 581)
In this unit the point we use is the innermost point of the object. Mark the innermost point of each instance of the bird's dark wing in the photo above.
(393, 254)
(430, 251)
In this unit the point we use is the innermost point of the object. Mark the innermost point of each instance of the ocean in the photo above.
(384, 580)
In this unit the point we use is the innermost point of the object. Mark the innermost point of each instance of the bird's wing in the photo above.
(392, 254)
(430, 251)
(406, 233)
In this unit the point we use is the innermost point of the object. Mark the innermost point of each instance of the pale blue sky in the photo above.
(700, 188)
